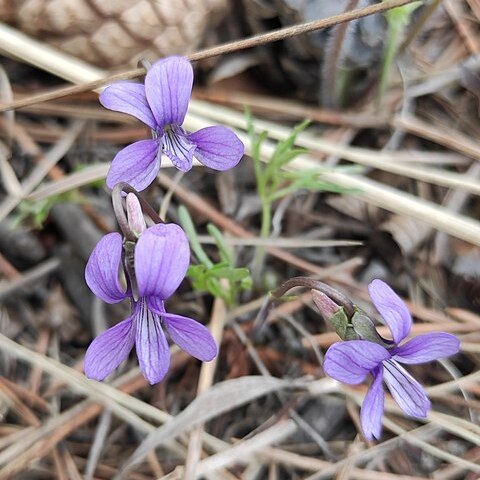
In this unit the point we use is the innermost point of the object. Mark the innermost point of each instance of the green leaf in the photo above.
(273, 182)
(340, 322)
(400, 17)
(225, 252)
(189, 227)
(212, 280)
(308, 180)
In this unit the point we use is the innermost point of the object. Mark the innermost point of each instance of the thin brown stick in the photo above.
(9, 397)
(330, 92)
(453, 140)
(8, 270)
(31, 398)
(458, 14)
(58, 464)
(230, 47)
(43, 341)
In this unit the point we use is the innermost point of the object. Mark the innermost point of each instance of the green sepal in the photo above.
(351, 334)
(340, 322)
(365, 329)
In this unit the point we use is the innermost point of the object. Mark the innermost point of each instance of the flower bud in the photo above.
(331, 312)
(326, 306)
(136, 221)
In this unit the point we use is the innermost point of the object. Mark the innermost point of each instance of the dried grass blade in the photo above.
(53, 156)
(242, 451)
(221, 398)
(9, 179)
(71, 181)
(472, 378)
(98, 444)
(67, 67)
(427, 447)
(373, 192)
(50, 159)
(205, 381)
(199, 111)
(18, 45)
(459, 427)
(448, 138)
(6, 95)
(101, 393)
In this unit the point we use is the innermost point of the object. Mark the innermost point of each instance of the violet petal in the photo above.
(156, 305)
(102, 271)
(151, 344)
(162, 256)
(137, 164)
(406, 391)
(428, 347)
(191, 336)
(178, 148)
(392, 309)
(351, 361)
(128, 97)
(373, 406)
(217, 147)
(168, 86)
(109, 349)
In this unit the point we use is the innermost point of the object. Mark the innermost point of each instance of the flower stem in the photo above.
(259, 261)
(339, 298)
(120, 214)
(313, 284)
(388, 59)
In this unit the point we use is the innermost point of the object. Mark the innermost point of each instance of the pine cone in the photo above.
(115, 33)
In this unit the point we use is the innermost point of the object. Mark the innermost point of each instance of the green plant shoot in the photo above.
(222, 279)
(275, 182)
(397, 19)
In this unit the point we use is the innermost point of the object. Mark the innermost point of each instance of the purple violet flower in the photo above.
(160, 261)
(351, 361)
(162, 105)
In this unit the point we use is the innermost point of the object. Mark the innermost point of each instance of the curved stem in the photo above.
(120, 214)
(117, 202)
(338, 297)
(313, 284)
(146, 207)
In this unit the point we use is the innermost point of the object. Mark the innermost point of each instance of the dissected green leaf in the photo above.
(221, 279)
